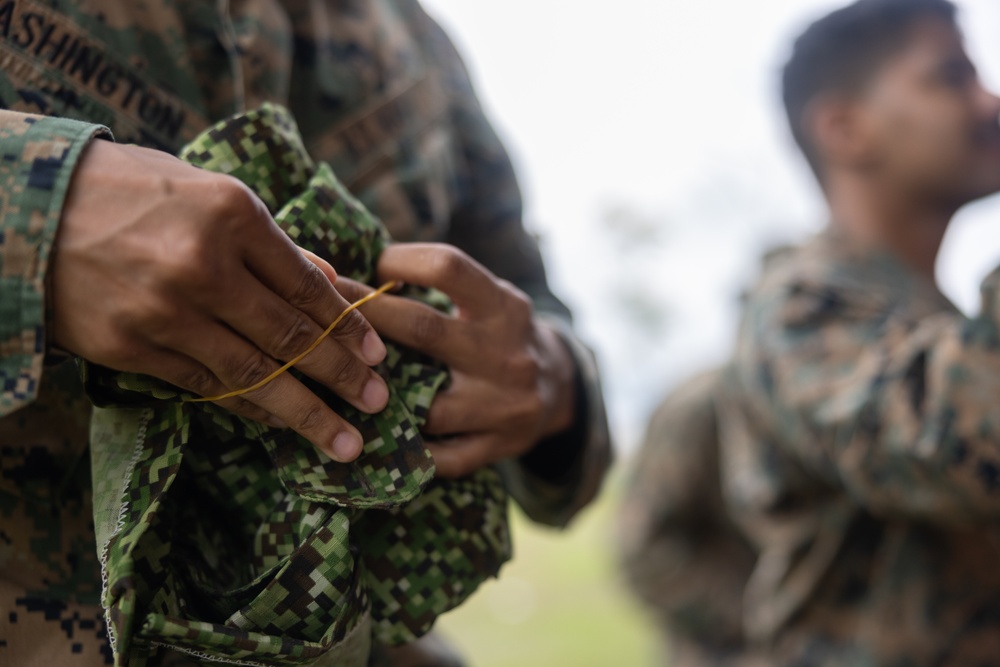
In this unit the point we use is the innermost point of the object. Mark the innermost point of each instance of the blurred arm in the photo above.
(564, 472)
(680, 553)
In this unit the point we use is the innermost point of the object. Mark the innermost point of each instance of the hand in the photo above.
(511, 376)
(168, 270)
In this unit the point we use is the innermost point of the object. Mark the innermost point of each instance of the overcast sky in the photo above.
(661, 116)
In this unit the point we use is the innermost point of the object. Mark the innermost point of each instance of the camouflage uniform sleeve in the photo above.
(893, 403)
(680, 553)
(38, 156)
(564, 473)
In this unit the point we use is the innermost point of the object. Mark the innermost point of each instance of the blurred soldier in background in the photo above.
(683, 555)
(858, 423)
(127, 257)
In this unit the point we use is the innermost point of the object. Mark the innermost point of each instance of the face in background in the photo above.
(932, 130)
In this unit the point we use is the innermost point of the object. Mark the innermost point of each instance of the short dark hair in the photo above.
(839, 52)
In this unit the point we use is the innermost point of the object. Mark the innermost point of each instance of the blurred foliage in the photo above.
(647, 313)
(629, 230)
(638, 241)
(560, 602)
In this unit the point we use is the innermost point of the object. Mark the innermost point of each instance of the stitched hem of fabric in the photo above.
(140, 440)
(355, 644)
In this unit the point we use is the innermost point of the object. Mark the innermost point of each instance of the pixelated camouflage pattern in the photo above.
(378, 93)
(49, 575)
(860, 456)
(286, 565)
(33, 151)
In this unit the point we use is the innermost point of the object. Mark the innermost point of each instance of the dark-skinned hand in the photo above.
(168, 270)
(511, 375)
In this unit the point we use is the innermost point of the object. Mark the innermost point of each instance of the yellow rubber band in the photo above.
(329, 330)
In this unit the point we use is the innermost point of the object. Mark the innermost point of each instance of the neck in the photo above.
(877, 216)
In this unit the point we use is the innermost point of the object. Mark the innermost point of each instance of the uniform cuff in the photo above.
(37, 158)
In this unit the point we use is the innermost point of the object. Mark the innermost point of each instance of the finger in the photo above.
(462, 456)
(468, 405)
(323, 265)
(188, 374)
(154, 154)
(351, 289)
(418, 326)
(283, 269)
(238, 364)
(284, 333)
(473, 289)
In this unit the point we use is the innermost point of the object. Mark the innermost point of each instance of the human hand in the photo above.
(511, 376)
(171, 271)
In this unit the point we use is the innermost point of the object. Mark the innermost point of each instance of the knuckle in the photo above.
(532, 406)
(350, 374)
(233, 210)
(519, 303)
(427, 329)
(350, 290)
(449, 264)
(144, 315)
(117, 349)
(354, 325)
(312, 287)
(200, 380)
(250, 371)
(190, 260)
(522, 369)
(297, 336)
(228, 199)
(523, 412)
(310, 419)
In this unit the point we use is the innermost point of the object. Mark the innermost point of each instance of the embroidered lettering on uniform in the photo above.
(36, 34)
(63, 47)
(6, 13)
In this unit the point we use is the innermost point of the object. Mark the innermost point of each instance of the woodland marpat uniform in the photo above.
(856, 438)
(377, 91)
(682, 555)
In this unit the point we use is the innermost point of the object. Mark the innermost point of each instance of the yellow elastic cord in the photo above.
(329, 330)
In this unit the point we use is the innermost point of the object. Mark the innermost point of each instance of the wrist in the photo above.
(561, 413)
(556, 454)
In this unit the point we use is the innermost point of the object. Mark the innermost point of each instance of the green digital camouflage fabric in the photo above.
(860, 456)
(378, 93)
(681, 554)
(233, 541)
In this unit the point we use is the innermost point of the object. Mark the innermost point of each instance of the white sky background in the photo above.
(656, 166)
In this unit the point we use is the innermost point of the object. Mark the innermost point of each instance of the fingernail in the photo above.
(346, 447)
(375, 395)
(372, 348)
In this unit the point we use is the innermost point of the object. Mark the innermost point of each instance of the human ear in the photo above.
(840, 131)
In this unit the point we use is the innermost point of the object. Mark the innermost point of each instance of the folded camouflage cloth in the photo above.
(238, 543)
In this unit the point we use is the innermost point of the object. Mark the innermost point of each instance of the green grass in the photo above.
(560, 602)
